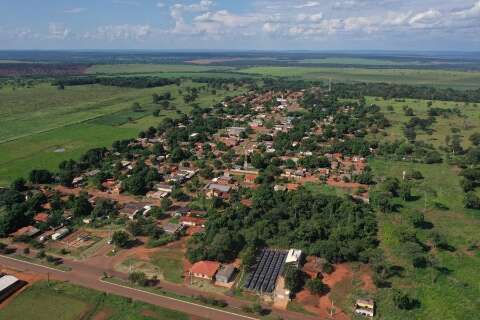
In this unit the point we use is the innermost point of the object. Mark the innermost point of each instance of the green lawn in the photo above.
(44, 134)
(454, 294)
(63, 301)
(436, 78)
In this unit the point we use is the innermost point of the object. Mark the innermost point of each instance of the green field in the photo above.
(454, 294)
(436, 78)
(42, 126)
(444, 126)
(63, 301)
(150, 68)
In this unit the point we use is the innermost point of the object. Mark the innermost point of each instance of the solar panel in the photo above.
(265, 272)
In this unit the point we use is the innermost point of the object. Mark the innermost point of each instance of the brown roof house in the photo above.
(204, 269)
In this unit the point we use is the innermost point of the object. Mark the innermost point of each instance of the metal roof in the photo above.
(7, 281)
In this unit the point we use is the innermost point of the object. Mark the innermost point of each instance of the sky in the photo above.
(447, 25)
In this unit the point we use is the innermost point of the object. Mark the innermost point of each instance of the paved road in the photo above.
(90, 276)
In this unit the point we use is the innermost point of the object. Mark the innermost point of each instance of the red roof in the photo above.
(193, 220)
(206, 268)
(247, 202)
(41, 217)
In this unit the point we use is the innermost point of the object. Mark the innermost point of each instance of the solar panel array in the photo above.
(264, 273)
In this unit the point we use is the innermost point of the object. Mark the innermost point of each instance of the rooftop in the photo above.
(207, 268)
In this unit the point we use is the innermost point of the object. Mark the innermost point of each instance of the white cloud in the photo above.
(425, 18)
(75, 10)
(269, 27)
(472, 12)
(127, 2)
(58, 31)
(160, 4)
(308, 4)
(120, 32)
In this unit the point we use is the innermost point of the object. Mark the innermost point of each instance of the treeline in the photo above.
(396, 91)
(128, 82)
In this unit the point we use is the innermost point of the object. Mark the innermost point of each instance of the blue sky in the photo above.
(241, 24)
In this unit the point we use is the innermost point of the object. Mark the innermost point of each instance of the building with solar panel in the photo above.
(263, 275)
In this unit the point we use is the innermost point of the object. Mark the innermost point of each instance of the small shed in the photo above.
(225, 274)
(60, 233)
(172, 228)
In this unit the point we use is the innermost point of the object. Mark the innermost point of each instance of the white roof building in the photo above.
(293, 255)
(7, 281)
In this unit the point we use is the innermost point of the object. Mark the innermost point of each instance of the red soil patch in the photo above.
(102, 315)
(321, 306)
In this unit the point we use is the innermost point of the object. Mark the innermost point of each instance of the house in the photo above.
(224, 180)
(164, 188)
(235, 131)
(28, 231)
(60, 233)
(41, 217)
(157, 194)
(172, 228)
(78, 181)
(365, 307)
(193, 221)
(250, 178)
(131, 210)
(218, 190)
(225, 274)
(8, 286)
(204, 269)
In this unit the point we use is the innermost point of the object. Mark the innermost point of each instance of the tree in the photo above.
(120, 239)
(416, 218)
(139, 278)
(403, 300)
(82, 207)
(472, 201)
(316, 286)
(475, 138)
(40, 176)
(19, 184)
(166, 203)
(135, 184)
(294, 278)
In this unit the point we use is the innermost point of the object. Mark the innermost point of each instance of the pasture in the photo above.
(436, 78)
(464, 125)
(52, 125)
(114, 69)
(449, 291)
(65, 301)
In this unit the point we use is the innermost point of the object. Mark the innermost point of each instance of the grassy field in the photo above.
(436, 78)
(41, 134)
(64, 301)
(169, 261)
(150, 68)
(454, 293)
(466, 125)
